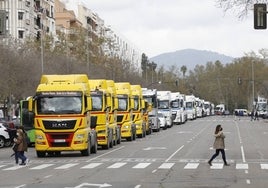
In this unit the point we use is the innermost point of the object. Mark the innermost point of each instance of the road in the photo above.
(172, 158)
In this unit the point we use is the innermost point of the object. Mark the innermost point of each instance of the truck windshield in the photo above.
(189, 105)
(175, 104)
(97, 102)
(123, 104)
(59, 105)
(136, 104)
(163, 105)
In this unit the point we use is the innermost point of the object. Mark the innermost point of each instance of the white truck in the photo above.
(261, 106)
(190, 107)
(207, 107)
(150, 96)
(178, 108)
(164, 101)
(199, 107)
(220, 109)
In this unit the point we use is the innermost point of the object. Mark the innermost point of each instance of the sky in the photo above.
(161, 26)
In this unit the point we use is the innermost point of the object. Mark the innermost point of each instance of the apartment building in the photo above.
(116, 45)
(21, 19)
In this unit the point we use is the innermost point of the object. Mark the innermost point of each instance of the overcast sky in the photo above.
(160, 26)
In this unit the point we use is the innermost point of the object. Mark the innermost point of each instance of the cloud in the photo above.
(158, 26)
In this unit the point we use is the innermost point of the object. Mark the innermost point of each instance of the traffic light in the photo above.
(260, 16)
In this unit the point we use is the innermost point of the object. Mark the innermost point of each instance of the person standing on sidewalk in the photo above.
(219, 145)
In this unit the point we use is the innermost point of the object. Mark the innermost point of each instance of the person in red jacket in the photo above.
(219, 145)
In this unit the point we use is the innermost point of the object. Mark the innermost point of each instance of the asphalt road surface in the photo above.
(172, 158)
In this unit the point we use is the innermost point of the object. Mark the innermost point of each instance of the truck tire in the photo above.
(94, 147)
(86, 152)
(2, 142)
(40, 153)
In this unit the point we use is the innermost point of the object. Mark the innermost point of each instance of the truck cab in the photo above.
(61, 114)
(101, 104)
(138, 111)
(125, 110)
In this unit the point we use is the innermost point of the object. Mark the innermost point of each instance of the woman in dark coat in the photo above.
(219, 145)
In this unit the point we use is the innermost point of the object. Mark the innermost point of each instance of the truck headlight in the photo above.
(80, 136)
(39, 137)
(126, 126)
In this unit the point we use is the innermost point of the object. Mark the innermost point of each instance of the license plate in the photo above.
(59, 140)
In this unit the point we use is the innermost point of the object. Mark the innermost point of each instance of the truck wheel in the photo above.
(40, 153)
(118, 136)
(86, 152)
(2, 142)
(94, 148)
(111, 139)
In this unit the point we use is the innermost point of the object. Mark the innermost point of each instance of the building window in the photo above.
(20, 15)
(21, 34)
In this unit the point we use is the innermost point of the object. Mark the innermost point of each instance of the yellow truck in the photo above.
(113, 112)
(138, 111)
(101, 105)
(147, 108)
(125, 110)
(60, 111)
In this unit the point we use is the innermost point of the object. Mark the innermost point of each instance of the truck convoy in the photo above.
(60, 111)
(125, 110)
(74, 113)
(150, 96)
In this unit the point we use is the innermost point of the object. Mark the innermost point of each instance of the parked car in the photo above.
(4, 136)
(162, 120)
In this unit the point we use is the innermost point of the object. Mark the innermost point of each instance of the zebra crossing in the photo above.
(131, 165)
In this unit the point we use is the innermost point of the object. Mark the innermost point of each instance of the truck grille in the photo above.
(59, 125)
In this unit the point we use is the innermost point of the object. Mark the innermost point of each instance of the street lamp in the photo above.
(252, 72)
(41, 41)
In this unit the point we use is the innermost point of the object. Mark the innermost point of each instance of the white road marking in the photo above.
(91, 165)
(66, 166)
(191, 166)
(264, 166)
(166, 165)
(248, 181)
(216, 166)
(2, 166)
(14, 167)
(42, 166)
(243, 154)
(174, 153)
(241, 166)
(117, 165)
(141, 165)
(114, 150)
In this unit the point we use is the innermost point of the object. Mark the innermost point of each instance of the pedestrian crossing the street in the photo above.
(131, 165)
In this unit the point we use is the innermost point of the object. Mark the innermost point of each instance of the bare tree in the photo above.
(240, 7)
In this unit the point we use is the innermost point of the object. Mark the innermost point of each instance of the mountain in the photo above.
(190, 58)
